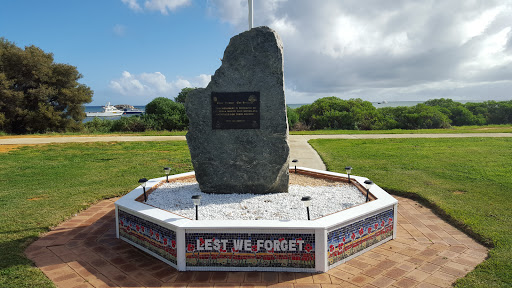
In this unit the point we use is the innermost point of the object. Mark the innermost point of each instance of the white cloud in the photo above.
(163, 6)
(146, 86)
(232, 11)
(132, 4)
(476, 25)
(391, 49)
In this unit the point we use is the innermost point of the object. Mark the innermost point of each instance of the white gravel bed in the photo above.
(176, 197)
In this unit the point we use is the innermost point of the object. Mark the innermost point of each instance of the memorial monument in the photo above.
(238, 132)
(238, 140)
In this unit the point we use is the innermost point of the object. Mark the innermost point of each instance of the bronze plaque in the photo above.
(235, 110)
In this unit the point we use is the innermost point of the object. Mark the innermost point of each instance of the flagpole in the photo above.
(250, 15)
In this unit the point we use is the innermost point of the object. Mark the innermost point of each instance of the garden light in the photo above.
(368, 183)
(295, 161)
(348, 169)
(167, 171)
(142, 183)
(306, 200)
(197, 200)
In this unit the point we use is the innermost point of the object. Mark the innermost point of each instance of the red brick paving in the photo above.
(428, 252)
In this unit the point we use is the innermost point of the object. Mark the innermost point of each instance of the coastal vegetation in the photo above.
(456, 177)
(182, 96)
(333, 113)
(162, 114)
(38, 95)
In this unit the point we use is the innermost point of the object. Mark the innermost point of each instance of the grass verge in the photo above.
(55, 134)
(47, 184)
(460, 129)
(467, 178)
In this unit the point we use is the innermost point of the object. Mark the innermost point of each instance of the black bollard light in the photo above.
(197, 200)
(295, 161)
(306, 200)
(348, 169)
(167, 171)
(368, 183)
(142, 183)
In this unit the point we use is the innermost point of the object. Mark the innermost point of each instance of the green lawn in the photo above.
(45, 185)
(460, 129)
(469, 179)
(145, 133)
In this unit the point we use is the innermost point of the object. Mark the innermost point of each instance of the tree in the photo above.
(457, 112)
(164, 114)
(182, 96)
(335, 113)
(420, 116)
(293, 117)
(38, 95)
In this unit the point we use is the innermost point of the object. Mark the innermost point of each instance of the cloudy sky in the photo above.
(131, 51)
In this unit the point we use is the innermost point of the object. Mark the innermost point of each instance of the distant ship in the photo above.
(129, 109)
(108, 111)
(383, 102)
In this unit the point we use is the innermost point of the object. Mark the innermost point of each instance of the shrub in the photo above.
(420, 116)
(129, 124)
(293, 116)
(335, 113)
(182, 96)
(98, 125)
(498, 112)
(457, 112)
(164, 114)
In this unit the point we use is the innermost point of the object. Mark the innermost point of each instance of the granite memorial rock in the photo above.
(238, 131)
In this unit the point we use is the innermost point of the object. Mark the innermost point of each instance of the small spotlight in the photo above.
(295, 161)
(368, 183)
(348, 169)
(306, 200)
(197, 200)
(142, 183)
(167, 171)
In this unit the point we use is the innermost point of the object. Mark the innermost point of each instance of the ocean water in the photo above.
(100, 109)
(376, 104)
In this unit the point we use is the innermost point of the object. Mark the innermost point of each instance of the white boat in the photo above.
(108, 111)
(133, 111)
(129, 109)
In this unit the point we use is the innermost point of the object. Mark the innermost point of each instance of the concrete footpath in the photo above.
(299, 146)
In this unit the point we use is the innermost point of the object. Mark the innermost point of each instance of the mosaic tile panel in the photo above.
(250, 250)
(348, 240)
(151, 236)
